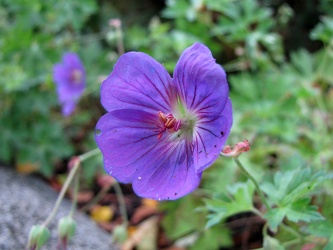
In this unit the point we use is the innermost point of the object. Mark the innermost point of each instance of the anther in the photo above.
(169, 123)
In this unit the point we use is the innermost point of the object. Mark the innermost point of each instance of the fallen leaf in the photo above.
(145, 236)
(131, 230)
(27, 167)
(150, 203)
(84, 196)
(142, 213)
(101, 213)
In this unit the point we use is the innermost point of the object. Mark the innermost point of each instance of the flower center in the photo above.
(180, 124)
(76, 76)
(167, 123)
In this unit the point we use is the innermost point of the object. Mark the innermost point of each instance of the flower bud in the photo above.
(115, 22)
(119, 233)
(74, 160)
(38, 236)
(66, 228)
(236, 150)
(105, 181)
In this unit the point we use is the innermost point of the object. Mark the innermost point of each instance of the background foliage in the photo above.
(279, 58)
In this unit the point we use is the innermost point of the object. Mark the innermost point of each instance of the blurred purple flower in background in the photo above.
(160, 133)
(70, 78)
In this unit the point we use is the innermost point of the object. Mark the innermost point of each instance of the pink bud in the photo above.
(105, 181)
(73, 161)
(236, 150)
(115, 22)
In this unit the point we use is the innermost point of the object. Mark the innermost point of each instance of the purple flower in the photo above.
(160, 133)
(70, 78)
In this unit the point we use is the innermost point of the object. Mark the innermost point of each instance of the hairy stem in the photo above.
(260, 193)
(89, 154)
(121, 201)
(75, 193)
(62, 193)
(96, 199)
(69, 179)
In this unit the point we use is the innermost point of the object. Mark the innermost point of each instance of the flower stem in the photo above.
(264, 229)
(69, 179)
(89, 154)
(75, 193)
(260, 193)
(120, 43)
(96, 199)
(121, 201)
(293, 242)
(62, 193)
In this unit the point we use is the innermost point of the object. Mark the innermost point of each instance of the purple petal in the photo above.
(137, 82)
(124, 136)
(71, 60)
(201, 82)
(211, 135)
(158, 169)
(170, 174)
(69, 94)
(68, 108)
(203, 87)
(61, 74)
(69, 76)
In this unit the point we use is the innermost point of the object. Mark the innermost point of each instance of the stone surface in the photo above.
(26, 201)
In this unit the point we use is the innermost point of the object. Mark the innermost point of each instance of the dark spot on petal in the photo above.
(222, 133)
(175, 193)
(200, 151)
(214, 146)
(168, 198)
(115, 131)
(98, 131)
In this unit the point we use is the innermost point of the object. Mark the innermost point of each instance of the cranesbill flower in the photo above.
(160, 133)
(70, 78)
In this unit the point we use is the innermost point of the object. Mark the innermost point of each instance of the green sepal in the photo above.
(38, 236)
(66, 228)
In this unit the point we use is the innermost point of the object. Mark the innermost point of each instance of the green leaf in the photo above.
(240, 200)
(213, 238)
(301, 210)
(181, 218)
(274, 217)
(322, 229)
(290, 186)
(324, 30)
(271, 243)
(290, 193)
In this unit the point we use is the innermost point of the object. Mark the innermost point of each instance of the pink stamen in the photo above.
(168, 122)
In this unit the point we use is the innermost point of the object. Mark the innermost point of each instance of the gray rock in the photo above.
(26, 201)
